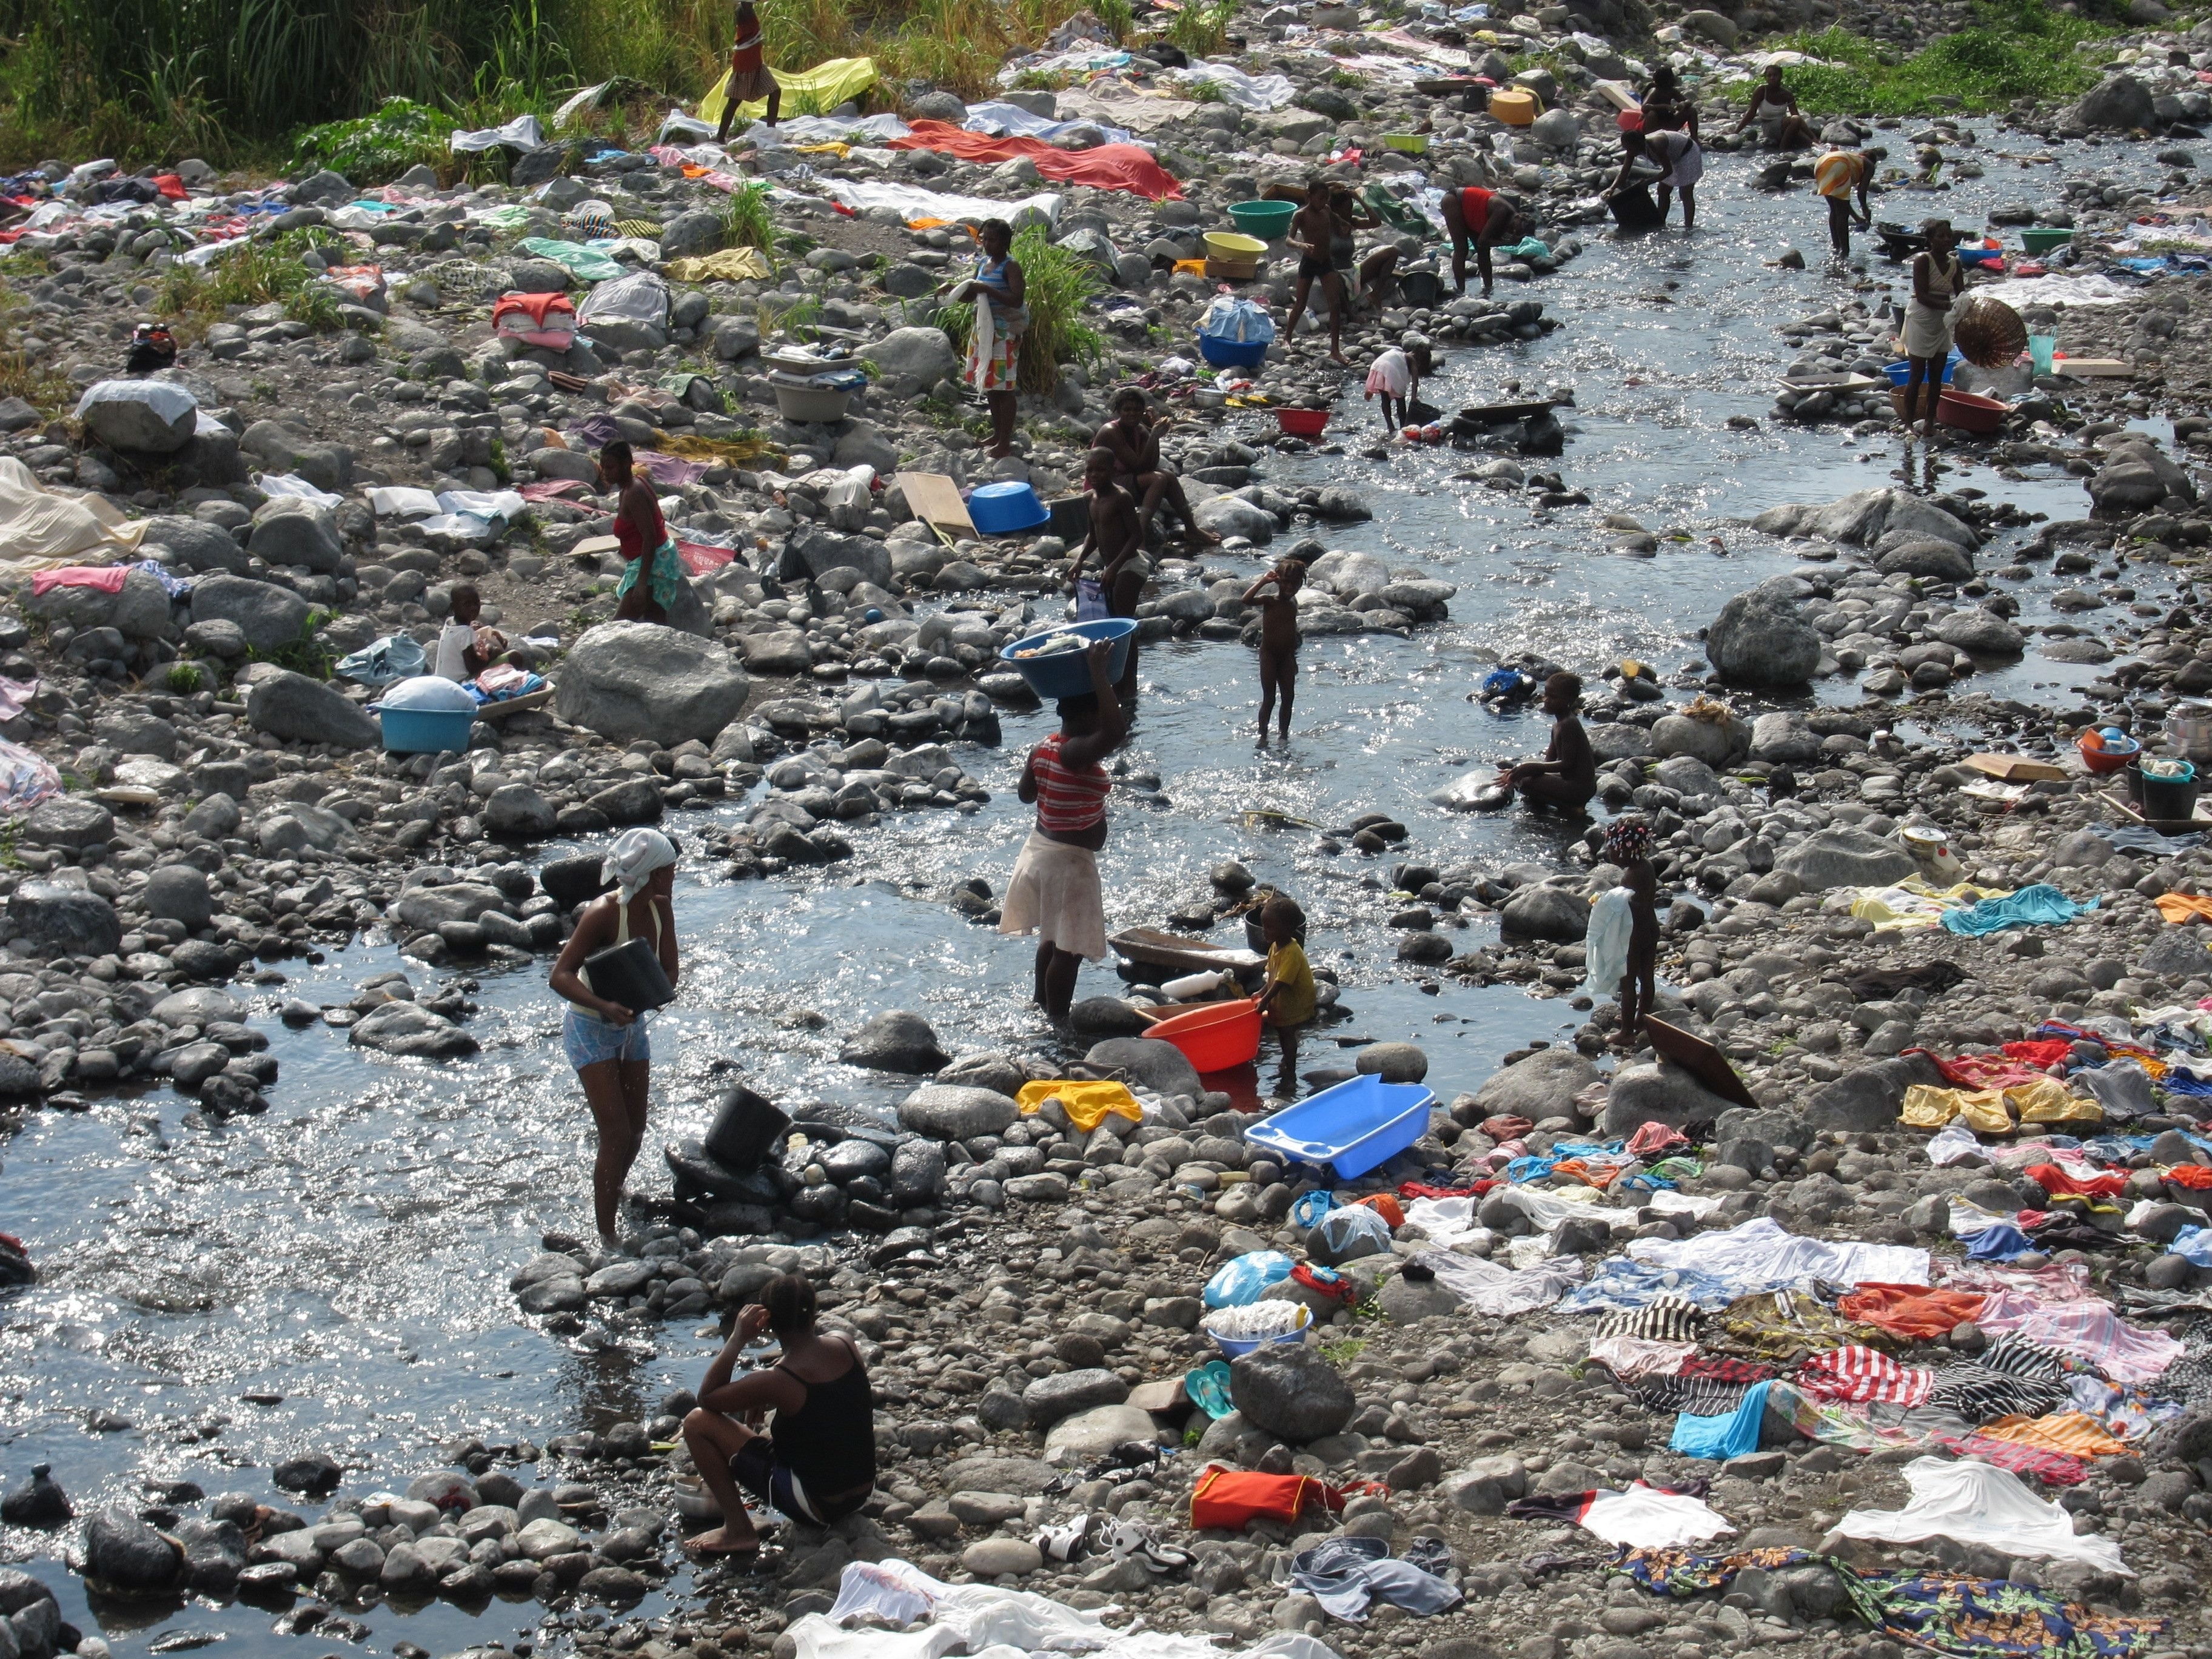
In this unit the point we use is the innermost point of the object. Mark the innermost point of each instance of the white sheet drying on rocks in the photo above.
(43, 530)
(1252, 92)
(1978, 1503)
(973, 1616)
(1500, 1292)
(861, 194)
(1760, 1256)
(2017, 291)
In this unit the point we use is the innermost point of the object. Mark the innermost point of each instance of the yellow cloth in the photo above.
(41, 529)
(731, 264)
(1086, 1104)
(1912, 906)
(2047, 1100)
(2075, 1433)
(1836, 173)
(1288, 968)
(807, 92)
(2185, 907)
(1927, 1107)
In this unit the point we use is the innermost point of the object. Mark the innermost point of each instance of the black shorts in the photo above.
(755, 1469)
(1310, 267)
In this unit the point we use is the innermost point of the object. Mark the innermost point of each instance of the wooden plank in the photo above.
(593, 547)
(2087, 369)
(935, 500)
(1700, 1058)
(501, 709)
(2016, 768)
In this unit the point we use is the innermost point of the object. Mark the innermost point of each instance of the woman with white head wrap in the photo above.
(605, 1041)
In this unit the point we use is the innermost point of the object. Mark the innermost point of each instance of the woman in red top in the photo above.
(750, 79)
(1053, 891)
(649, 585)
(1482, 217)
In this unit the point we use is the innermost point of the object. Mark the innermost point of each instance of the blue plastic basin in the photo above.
(1901, 371)
(1062, 674)
(1000, 509)
(426, 730)
(1232, 353)
(1352, 1127)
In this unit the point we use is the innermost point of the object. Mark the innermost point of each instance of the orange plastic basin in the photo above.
(1215, 1036)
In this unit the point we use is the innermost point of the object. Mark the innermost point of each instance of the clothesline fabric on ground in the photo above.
(1976, 1502)
(1108, 166)
(1761, 1255)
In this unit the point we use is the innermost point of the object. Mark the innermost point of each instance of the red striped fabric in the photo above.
(1864, 1376)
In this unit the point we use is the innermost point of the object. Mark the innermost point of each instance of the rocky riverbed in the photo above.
(308, 1338)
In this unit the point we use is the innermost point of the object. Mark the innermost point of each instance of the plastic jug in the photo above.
(2043, 350)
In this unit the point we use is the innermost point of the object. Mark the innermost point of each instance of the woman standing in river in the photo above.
(605, 1041)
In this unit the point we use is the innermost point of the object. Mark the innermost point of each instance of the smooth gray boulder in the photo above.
(924, 352)
(179, 892)
(1844, 856)
(404, 1028)
(627, 680)
(2118, 103)
(300, 710)
(290, 531)
(68, 821)
(1545, 912)
(898, 1040)
(1049, 1399)
(1982, 632)
(1148, 1063)
(113, 416)
(269, 615)
(63, 920)
(1662, 1093)
(1869, 1098)
(1543, 1085)
(951, 1111)
(126, 1557)
(1291, 1393)
(1759, 639)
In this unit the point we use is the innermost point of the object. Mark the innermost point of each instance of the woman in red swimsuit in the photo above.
(1481, 216)
(649, 585)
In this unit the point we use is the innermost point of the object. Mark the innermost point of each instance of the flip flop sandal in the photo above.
(1207, 1385)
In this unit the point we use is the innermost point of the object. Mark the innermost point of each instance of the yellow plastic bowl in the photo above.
(1516, 106)
(1408, 143)
(1228, 245)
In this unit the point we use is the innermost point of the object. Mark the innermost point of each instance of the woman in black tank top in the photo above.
(818, 1464)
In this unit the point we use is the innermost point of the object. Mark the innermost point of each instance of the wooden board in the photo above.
(1700, 1058)
(2095, 368)
(1158, 949)
(500, 709)
(935, 499)
(1499, 414)
(2016, 768)
(593, 547)
(2203, 820)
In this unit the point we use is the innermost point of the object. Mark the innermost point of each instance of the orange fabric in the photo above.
(1228, 1497)
(2059, 1184)
(2075, 1433)
(1603, 1176)
(1386, 1206)
(2185, 907)
(2195, 1177)
(1108, 166)
(1910, 1310)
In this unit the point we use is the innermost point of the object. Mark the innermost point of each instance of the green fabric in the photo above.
(805, 92)
(574, 258)
(1394, 213)
(667, 574)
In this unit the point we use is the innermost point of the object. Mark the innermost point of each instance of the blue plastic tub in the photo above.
(425, 731)
(1062, 674)
(1352, 1127)
(1000, 509)
(1232, 353)
(1901, 371)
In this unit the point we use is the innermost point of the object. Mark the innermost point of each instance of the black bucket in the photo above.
(1419, 288)
(2165, 800)
(745, 1129)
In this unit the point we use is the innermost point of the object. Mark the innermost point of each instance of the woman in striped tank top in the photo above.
(1053, 891)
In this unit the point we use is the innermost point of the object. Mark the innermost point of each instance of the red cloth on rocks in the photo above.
(1108, 166)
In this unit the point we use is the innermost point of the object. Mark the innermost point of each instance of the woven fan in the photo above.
(1990, 333)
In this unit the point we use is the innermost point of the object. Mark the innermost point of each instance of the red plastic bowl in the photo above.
(1969, 412)
(1215, 1036)
(2098, 758)
(1302, 422)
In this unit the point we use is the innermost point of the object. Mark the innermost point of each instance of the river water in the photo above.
(348, 1251)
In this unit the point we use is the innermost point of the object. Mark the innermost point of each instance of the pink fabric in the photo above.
(2092, 1331)
(702, 559)
(1863, 1376)
(108, 579)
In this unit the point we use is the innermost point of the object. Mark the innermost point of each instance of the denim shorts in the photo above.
(756, 1468)
(588, 1040)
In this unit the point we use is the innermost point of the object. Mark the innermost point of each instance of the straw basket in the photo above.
(1990, 333)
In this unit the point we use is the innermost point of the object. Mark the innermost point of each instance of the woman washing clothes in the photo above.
(655, 572)
(605, 1041)
(1002, 316)
(1629, 195)
(1939, 276)
(818, 1463)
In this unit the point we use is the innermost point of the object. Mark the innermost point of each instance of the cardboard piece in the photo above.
(2016, 768)
(935, 500)
(2095, 368)
(1700, 1058)
(592, 546)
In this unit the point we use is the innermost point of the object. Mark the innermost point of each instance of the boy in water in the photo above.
(1314, 233)
(1286, 1001)
(1279, 639)
(1566, 777)
(1116, 535)
(1628, 844)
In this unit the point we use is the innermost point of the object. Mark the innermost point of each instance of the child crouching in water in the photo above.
(1287, 1000)
(1395, 376)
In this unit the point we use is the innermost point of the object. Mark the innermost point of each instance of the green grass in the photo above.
(305, 655)
(1059, 285)
(1343, 1350)
(746, 221)
(1116, 15)
(2017, 48)
(1201, 27)
(184, 678)
(254, 272)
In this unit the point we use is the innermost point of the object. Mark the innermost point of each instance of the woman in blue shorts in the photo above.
(605, 1041)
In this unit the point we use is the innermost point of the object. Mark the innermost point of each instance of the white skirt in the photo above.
(1054, 892)
(1928, 330)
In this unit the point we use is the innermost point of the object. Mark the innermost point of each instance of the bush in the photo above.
(184, 678)
(380, 147)
(2017, 48)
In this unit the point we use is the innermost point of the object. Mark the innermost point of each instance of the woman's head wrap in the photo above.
(634, 856)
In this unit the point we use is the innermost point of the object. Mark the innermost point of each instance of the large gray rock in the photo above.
(288, 530)
(405, 1028)
(895, 1041)
(63, 921)
(69, 821)
(1870, 1097)
(1049, 1399)
(2176, 954)
(951, 1111)
(126, 1557)
(2118, 103)
(179, 892)
(296, 825)
(825, 550)
(627, 680)
(1929, 557)
(1543, 1085)
(143, 610)
(1759, 639)
(1291, 1393)
(1662, 1093)
(1845, 855)
(689, 234)
(924, 352)
(1984, 633)
(283, 448)
(917, 1172)
(269, 615)
(1776, 736)
(300, 710)
(124, 422)
(1714, 741)
(516, 810)
(1545, 912)
(1148, 1063)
